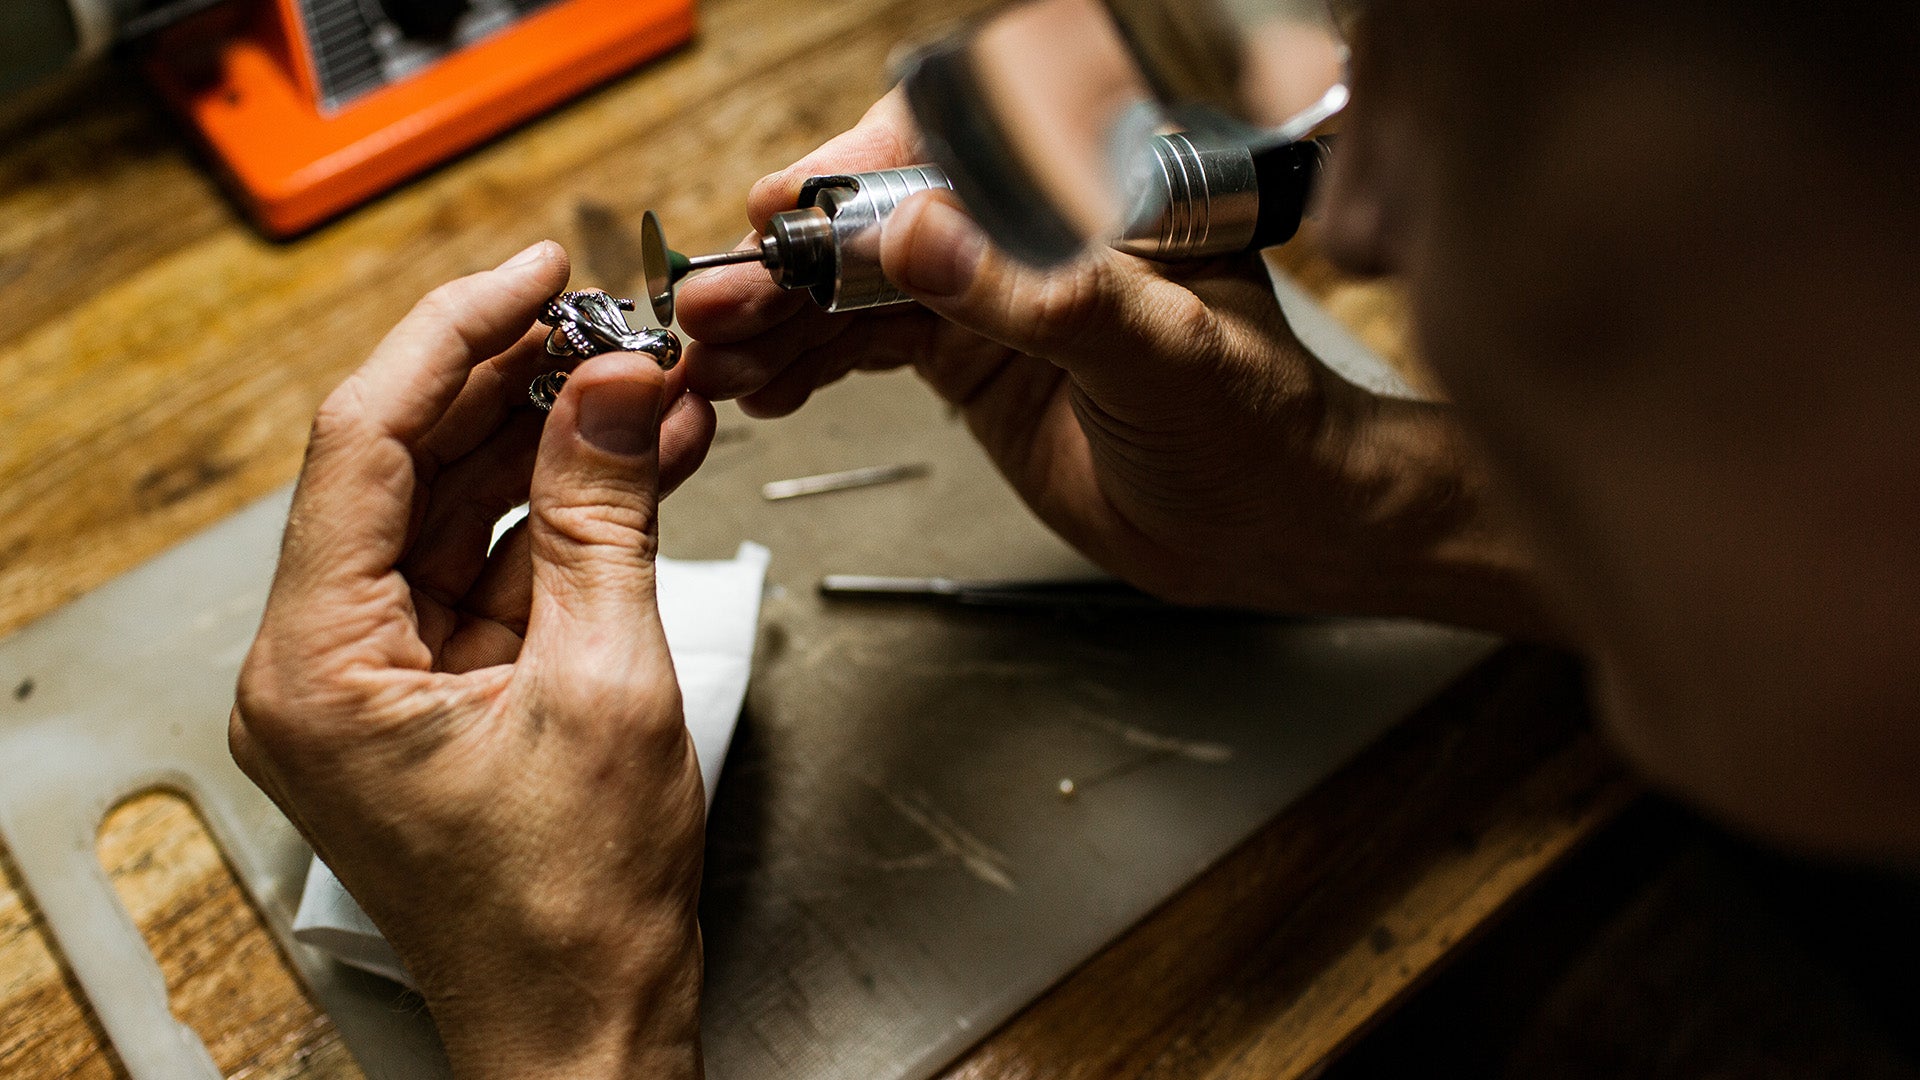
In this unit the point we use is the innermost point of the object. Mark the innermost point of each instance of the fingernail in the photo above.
(619, 416)
(770, 178)
(531, 255)
(945, 251)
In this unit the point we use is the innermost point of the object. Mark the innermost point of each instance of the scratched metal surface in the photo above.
(891, 869)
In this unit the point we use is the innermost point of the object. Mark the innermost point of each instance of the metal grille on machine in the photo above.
(358, 47)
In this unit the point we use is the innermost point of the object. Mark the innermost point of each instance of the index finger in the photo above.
(354, 504)
(419, 367)
(883, 139)
(734, 303)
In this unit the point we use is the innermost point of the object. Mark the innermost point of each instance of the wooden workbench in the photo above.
(160, 364)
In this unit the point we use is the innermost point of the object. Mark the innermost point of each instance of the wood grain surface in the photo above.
(161, 362)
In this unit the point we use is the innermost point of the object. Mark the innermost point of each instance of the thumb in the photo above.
(1089, 317)
(593, 528)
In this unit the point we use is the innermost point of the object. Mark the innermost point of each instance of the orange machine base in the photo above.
(242, 79)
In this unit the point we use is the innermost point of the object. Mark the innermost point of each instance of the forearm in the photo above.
(1426, 535)
(1369, 506)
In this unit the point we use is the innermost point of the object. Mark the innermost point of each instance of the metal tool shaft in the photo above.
(776, 490)
(724, 258)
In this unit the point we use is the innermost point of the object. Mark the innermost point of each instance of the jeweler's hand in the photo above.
(489, 751)
(1165, 421)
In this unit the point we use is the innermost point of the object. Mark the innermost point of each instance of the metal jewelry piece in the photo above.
(544, 390)
(588, 324)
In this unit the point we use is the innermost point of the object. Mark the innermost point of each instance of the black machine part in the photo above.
(425, 20)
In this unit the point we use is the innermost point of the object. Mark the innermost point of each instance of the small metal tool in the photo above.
(776, 490)
(590, 323)
(1101, 594)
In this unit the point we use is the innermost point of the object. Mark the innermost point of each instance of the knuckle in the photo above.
(594, 545)
(241, 744)
(892, 116)
(340, 414)
(1062, 307)
(612, 523)
(290, 702)
(773, 187)
(255, 697)
(258, 728)
(724, 374)
(629, 685)
(1181, 319)
(593, 688)
(955, 364)
(443, 303)
(444, 317)
(884, 142)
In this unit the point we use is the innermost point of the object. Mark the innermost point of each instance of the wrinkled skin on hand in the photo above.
(489, 749)
(1163, 419)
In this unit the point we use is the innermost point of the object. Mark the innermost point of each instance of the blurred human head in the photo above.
(1665, 257)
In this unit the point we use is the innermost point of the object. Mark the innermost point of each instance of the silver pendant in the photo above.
(588, 324)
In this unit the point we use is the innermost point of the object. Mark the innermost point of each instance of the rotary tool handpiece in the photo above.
(1214, 201)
